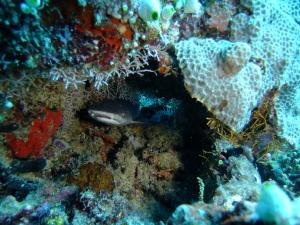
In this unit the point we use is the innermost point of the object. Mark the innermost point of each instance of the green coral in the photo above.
(57, 220)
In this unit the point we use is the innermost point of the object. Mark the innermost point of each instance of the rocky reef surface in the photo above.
(149, 112)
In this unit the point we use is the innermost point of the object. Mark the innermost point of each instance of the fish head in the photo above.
(114, 112)
(108, 118)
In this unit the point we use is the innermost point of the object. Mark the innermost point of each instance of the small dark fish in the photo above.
(115, 112)
(6, 128)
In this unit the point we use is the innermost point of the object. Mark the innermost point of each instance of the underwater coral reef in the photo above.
(144, 112)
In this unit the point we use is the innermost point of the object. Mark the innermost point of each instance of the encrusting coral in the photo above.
(40, 132)
(273, 33)
(220, 75)
(94, 176)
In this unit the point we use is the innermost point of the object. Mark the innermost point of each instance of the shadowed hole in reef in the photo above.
(191, 122)
(194, 152)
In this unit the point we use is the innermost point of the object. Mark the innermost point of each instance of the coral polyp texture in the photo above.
(273, 31)
(231, 79)
(220, 75)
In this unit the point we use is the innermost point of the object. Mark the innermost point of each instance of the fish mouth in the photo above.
(103, 117)
(101, 114)
(95, 113)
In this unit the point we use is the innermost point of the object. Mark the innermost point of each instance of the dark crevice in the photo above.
(191, 121)
(195, 151)
(112, 154)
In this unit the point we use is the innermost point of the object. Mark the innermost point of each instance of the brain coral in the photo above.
(219, 75)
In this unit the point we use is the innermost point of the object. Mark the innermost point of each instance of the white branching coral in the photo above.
(69, 75)
(75, 76)
(135, 65)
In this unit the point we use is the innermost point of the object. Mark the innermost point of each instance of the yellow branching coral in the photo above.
(260, 134)
(224, 131)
